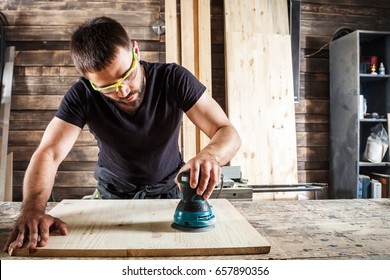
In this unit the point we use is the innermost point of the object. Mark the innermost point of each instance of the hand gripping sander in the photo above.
(193, 213)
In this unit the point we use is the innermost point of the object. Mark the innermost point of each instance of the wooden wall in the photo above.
(320, 20)
(41, 30)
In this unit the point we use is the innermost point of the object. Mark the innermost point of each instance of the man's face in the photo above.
(122, 81)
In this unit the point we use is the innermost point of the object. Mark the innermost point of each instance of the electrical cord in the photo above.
(342, 31)
(220, 187)
(3, 19)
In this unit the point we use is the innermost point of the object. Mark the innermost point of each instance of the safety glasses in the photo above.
(126, 79)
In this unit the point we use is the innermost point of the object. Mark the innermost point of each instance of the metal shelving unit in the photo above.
(348, 133)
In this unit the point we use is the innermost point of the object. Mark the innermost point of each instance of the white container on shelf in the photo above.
(376, 189)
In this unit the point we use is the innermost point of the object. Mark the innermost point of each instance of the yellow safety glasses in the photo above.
(110, 89)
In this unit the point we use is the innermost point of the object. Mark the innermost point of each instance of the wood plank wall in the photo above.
(320, 20)
(40, 30)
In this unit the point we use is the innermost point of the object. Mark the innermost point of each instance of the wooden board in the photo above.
(189, 46)
(194, 54)
(204, 57)
(123, 228)
(259, 90)
(172, 35)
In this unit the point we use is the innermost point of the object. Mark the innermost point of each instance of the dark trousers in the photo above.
(111, 186)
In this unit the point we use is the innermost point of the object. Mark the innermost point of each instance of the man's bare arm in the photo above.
(224, 143)
(33, 224)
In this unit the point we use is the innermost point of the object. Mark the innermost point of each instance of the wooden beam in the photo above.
(172, 35)
(172, 43)
(188, 58)
(195, 38)
(204, 54)
(5, 109)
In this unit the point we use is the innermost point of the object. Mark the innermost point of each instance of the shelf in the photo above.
(349, 133)
(372, 78)
(373, 120)
(371, 164)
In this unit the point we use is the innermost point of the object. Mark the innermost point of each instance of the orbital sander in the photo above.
(193, 213)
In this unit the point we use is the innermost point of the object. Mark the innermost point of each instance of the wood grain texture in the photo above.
(141, 228)
(41, 33)
(172, 42)
(319, 20)
(172, 34)
(195, 53)
(329, 229)
(260, 91)
(204, 57)
(77, 17)
(189, 58)
(34, 34)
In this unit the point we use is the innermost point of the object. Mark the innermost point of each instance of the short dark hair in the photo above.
(95, 44)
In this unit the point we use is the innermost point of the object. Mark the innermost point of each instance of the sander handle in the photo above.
(184, 179)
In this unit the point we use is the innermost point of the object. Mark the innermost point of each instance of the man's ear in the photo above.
(136, 49)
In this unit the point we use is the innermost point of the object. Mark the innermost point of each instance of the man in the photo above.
(134, 109)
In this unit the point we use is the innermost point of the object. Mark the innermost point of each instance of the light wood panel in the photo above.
(123, 228)
(173, 43)
(189, 45)
(194, 54)
(204, 57)
(172, 32)
(260, 91)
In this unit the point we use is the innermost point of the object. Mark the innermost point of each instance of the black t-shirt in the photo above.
(140, 148)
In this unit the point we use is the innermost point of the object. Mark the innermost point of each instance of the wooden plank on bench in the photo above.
(142, 228)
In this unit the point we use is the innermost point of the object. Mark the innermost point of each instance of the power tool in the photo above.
(193, 213)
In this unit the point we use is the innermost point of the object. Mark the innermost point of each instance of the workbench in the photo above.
(299, 229)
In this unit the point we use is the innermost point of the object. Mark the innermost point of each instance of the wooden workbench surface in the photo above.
(309, 229)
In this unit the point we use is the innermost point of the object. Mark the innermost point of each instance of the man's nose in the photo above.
(123, 90)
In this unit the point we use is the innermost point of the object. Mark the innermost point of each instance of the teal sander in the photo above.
(193, 213)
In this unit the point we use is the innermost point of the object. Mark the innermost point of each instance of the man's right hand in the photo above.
(33, 226)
